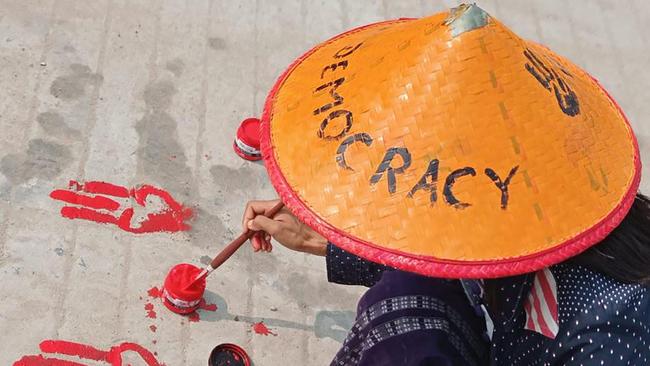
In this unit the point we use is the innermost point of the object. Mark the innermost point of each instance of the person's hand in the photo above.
(284, 227)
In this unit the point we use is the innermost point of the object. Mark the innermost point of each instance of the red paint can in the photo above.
(228, 354)
(247, 142)
(176, 294)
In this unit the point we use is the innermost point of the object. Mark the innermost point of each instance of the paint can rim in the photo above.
(233, 348)
(242, 154)
(167, 301)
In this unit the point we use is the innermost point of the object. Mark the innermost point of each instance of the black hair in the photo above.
(625, 253)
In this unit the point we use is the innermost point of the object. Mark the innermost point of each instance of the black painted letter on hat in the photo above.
(432, 172)
(551, 81)
(566, 97)
(384, 166)
(449, 184)
(329, 118)
(338, 99)
(502, 185)
(347, 50)
(333, 67)
(340, 152)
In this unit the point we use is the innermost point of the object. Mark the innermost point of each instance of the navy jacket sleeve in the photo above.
(411, 320)
(347, 269)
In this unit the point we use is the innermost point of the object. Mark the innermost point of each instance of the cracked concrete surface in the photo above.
(151, 92)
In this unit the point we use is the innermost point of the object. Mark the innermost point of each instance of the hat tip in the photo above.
(466, 17)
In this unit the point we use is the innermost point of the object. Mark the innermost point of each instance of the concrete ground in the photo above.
(151, 92)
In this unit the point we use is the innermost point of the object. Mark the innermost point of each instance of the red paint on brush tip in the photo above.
(151, 313)
(260, 328)
(55, 348)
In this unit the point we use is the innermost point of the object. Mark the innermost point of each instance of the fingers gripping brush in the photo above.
(185, 283)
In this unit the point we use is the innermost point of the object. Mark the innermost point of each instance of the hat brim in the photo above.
(428, 265)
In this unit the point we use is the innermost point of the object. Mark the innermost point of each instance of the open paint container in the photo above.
(228, 354)
(176, 294)
(247, 142)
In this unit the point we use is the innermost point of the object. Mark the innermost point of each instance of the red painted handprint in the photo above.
(101, 202)
(83, 352)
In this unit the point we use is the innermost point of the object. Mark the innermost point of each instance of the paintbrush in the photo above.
(231, 248)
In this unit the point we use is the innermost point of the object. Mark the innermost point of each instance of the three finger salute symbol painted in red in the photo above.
(112, 204)
(82, 352)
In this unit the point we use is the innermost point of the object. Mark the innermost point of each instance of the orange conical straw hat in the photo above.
(450, 147)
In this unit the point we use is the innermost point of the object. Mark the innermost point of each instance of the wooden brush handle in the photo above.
(231, 248)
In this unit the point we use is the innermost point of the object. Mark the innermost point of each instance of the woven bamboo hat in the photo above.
(450, 147)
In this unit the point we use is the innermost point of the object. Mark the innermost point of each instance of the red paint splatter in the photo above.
(91, 197)
(154, 292)
(112, 357)
(203, 305)
(195, 316)
(260, 328)
(151, 313)
(153, 328)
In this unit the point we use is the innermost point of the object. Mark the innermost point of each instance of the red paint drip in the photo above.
(151, 313)
(154, 292)
(260, 328)
(153, 328)
(85, 352)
